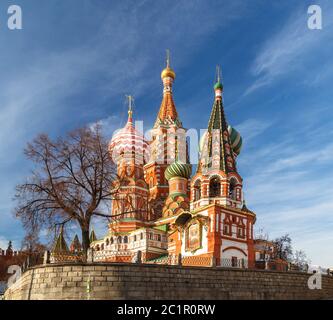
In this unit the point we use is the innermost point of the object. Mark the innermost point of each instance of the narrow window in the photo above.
(215, 188)
(197, 191)
(232, 189)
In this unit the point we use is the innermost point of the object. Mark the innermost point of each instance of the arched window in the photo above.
(107, 242)
(215, 187)
(119, 239)
(232, 189)
(102, 246)
(197, 190)
(125, 239)
(111, 240)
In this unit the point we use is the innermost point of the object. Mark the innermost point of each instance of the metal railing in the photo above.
(32, 259)
(233, 263)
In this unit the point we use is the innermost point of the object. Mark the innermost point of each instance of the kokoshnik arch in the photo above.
(160, 209)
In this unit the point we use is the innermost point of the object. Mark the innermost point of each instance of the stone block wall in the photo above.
(140, 281)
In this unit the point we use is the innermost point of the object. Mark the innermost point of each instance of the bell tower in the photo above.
(217, 180)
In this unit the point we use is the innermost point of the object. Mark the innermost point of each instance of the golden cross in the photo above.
(130, 105)
(168, 58)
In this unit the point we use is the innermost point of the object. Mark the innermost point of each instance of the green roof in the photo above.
(163, 227)
(218, 85)
(158, 258)
(60, 244)
(218, 124)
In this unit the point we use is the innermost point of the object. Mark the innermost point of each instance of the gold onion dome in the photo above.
(168, 73)
(178, 169)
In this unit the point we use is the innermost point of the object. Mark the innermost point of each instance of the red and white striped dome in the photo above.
(129, 143)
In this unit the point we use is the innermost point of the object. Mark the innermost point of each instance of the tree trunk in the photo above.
(85, 240)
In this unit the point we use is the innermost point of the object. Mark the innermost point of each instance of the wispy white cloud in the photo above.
(289, 51)
(289, 183)
(251, 128)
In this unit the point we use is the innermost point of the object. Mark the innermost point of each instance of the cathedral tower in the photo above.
(167, 129)
(129, 151)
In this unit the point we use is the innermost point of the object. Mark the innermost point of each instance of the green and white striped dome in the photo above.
(178, 169)
(235, 139)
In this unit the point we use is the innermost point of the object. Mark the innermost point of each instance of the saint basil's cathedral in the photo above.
(164, 211)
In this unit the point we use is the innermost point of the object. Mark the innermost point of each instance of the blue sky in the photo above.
(73, 63)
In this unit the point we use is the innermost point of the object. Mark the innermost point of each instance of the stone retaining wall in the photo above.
(140, 281)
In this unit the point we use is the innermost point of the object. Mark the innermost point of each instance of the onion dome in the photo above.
(178, 169)
(128, 141)
(168, 73)
(236, 140)
(218, 85)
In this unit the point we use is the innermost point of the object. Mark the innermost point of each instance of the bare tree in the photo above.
(301, 260)
(31, 243)
(72, 179)
(283, 248)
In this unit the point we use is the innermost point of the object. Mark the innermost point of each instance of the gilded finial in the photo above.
(130, 107)
(168, 72)
(218, 83)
